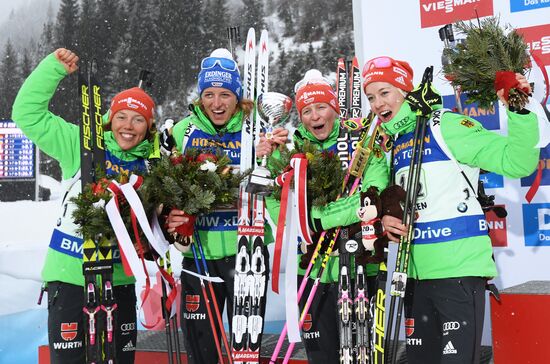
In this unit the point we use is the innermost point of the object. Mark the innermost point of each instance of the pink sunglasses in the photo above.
(378, 62)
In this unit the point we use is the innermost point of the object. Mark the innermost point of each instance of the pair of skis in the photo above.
(251, 264)
(353, 300)
(100, 305)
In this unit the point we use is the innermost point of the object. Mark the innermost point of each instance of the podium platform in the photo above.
(151, 349)
(520, 324)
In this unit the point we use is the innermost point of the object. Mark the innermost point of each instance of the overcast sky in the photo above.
(6, 7)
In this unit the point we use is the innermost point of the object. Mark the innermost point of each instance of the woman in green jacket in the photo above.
(451, 252)
(318, 111)
(128, 145)
(216, 122)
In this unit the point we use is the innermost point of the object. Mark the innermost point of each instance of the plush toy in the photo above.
(371, 228)
(369, 210)
(390, 201)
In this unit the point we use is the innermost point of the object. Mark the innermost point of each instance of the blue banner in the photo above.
(523, 5)
(492, 180)
(488, 118)
(545, 162)
(536, 224)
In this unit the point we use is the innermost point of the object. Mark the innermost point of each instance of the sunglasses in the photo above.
(378, 62)
(225, 63)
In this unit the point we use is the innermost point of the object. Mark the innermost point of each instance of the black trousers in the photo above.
(197, 332)
(320, 332)
(66, 323)
(444, 320)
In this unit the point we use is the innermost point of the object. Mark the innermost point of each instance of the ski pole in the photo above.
(446, 35)
(174, 318)
(208, 309)
(167, 318)
(214, 300)
(417, 99)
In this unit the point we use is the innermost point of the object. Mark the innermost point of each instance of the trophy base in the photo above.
(260, 182)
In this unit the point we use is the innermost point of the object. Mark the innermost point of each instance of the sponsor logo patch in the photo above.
(538, 39)
(409, 326)
(536, 224)
(192, 302)
(467, 123)
(451, 325)
(129, 347)
(307, 323)
(449, 349)
(69, 330)
(440, 12)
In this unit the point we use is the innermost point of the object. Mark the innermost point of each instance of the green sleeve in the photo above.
(51, 133)
(512, 156)
(343, 211)
(178, 132)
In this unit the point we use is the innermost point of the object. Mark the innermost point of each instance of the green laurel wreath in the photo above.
(486, 49)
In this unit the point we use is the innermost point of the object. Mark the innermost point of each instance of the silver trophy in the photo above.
(274, 108)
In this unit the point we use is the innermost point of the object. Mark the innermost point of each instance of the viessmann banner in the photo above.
(521, 241)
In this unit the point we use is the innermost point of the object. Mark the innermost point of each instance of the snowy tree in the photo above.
(285, 14)
(65, 30)
(26, 65)
(216, 21)
(9, 80)
(140, 47)
(253, 14)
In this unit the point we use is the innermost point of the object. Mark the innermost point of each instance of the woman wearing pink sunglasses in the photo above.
(451, 252)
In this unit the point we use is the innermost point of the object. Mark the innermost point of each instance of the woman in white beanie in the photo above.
(318, 111)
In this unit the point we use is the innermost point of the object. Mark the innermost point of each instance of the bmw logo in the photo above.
(462, 207)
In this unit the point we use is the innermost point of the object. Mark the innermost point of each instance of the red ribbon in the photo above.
(535, 185)
(141, 253)
(186, 229)
(297, 162)
(287, 178)
(172, 284)
(507, 80)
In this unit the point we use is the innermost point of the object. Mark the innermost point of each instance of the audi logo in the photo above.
(128, 327)
(451, 325)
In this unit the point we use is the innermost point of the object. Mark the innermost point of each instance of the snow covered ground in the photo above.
(25, 229)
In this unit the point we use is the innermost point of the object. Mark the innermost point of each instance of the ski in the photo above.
(242, 263)
(251, 264)
(258, 262)
(353, 302)
(345, 300)
(100, 305)
(342, 87)
(362, 320)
